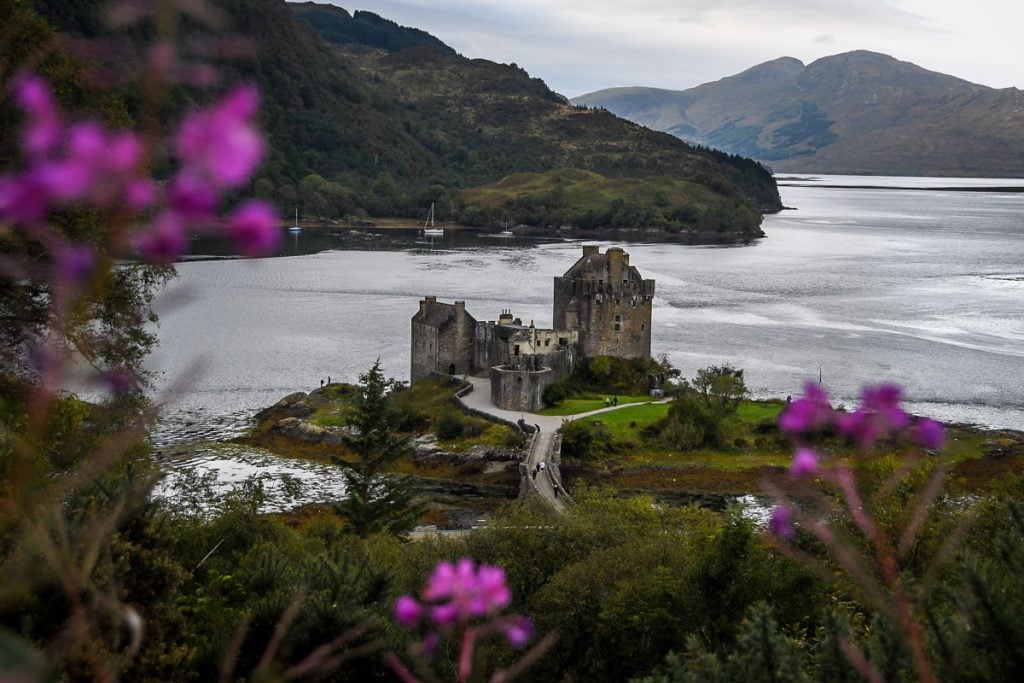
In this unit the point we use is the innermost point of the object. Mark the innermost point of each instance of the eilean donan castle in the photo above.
(602, 307)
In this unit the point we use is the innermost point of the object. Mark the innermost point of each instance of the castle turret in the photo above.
(608, 302)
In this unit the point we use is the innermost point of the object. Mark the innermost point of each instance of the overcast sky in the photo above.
(578, 46)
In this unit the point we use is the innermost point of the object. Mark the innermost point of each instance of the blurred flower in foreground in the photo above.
(86, 165)
(463, 600)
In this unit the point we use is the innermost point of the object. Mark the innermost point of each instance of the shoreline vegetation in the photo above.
(466, 467)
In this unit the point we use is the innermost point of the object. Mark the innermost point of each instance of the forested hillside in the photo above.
(358, 130)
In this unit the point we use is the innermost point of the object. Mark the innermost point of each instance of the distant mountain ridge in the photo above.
(858, 112)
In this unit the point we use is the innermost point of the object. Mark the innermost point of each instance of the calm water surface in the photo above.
(924, 288)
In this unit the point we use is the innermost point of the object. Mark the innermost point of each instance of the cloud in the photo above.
(582, 45)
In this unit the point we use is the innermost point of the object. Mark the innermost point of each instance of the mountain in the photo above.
(357, 129)
(857, 112)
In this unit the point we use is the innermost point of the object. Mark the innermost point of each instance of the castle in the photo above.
(602, 307)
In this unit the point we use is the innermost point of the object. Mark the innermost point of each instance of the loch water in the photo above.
(924, 287)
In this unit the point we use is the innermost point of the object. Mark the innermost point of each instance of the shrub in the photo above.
(449, 425)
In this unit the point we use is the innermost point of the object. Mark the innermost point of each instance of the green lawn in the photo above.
(753, 412)
(574, 406)
(627, 422)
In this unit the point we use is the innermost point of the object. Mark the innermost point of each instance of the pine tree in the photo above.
(377, 500)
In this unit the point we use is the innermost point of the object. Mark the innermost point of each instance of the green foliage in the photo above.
(449, 425)
(374, 499)
(584, 438)
(691, 424)
(721, 387)
(592, 201)
(336, 25)
(555, 394)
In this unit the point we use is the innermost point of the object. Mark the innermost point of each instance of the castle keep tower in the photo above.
(442, 339)
(608, 302)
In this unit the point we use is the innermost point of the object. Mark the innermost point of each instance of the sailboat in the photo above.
(506, 232)
(296, 227)
(428, 228)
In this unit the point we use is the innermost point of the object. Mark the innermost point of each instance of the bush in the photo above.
(691, 424)
(555, 394)
(583, 438)
(449, 425)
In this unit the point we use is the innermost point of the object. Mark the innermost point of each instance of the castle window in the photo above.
(618, 318)
(515, 350)
(547, 342)
(618, 327)
(562, 341)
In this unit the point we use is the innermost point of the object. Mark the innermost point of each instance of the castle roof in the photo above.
(437, 314)
(594, 266)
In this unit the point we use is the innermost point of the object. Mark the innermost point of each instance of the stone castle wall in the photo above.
(609, 303)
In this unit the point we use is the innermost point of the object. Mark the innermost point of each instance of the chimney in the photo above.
(591, 249)
(616, 262)
(506, 317)
(425, 304)
(460, 310)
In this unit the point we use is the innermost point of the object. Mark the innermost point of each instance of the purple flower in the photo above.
(879, 414)
(470, 592)
(780, 523)
(253, 227)
(75, 263)
(221, 143)
(805, 463)
(408, 611)
(518, 631)
(165, 241)
(43, 128)
(929, 433)
(807, 414)
(884, 402)
(430, 643)
(140, 193)
(23, 198)
(192, 197)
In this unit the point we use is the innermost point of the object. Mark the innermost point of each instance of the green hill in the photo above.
(355, 129)
(858, 112)
(337, 26)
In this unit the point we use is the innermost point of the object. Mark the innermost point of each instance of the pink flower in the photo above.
(192, 197)
(879, 414)
(929, 433)
(254, 228)
(807, 414)
(23, 198)
(140, 193)
(165, 242)
(408, 611)
(805, 463)
(43, 128)
(221, 143)
(780, 523)
(471, 592)
(884, 402)
(518, 631)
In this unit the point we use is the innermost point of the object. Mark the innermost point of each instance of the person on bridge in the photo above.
(542, 466)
